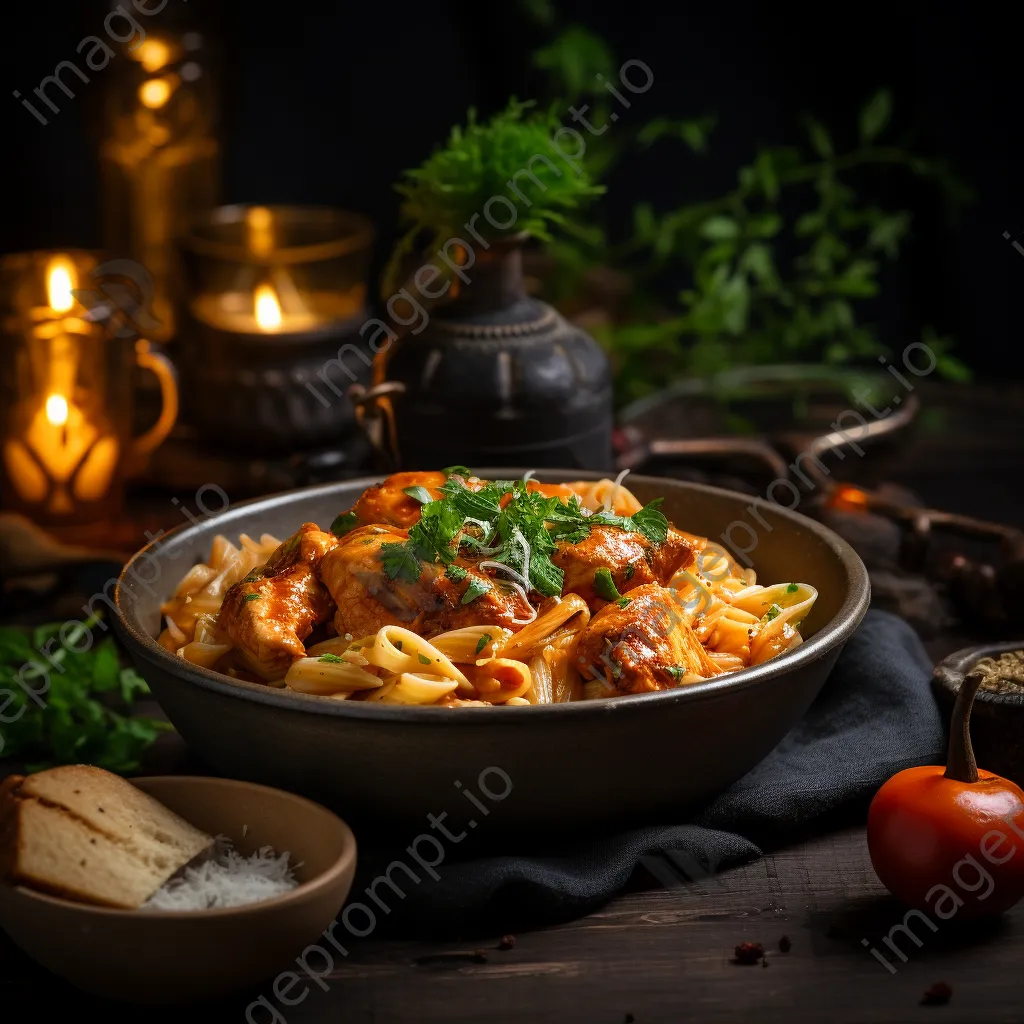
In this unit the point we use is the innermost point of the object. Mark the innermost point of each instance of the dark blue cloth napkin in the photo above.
(874, 717)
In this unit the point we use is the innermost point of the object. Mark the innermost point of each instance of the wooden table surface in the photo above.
(654, 957)
(665, 954)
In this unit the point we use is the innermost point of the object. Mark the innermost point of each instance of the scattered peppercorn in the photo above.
(507, 942)
(749, 953)
(784, 944)
(938, 995)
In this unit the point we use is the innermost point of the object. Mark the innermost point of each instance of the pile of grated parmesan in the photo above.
(226, 879)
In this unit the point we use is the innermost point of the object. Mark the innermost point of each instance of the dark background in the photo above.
(329, 102)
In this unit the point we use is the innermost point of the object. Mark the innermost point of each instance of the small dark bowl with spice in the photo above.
(997, 719)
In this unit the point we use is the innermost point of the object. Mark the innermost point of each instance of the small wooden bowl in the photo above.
(163, 957)
(997, 719)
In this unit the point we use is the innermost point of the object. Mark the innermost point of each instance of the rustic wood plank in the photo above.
(663, 955)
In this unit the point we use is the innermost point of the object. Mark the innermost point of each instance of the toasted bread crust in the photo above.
(82, 833)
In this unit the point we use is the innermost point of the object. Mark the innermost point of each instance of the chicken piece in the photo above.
(388, 504)
(268, 617)
(367, 598)
(632, 559)
(646, 645)
(270, 613)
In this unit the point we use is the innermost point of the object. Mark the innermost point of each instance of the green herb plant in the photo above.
(482, 160)
(779, 269)
(78, 718)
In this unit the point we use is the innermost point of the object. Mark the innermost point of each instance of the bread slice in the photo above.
(83, 833)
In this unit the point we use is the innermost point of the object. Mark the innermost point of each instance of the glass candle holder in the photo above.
(160, 157)
(276, 297)
(67, 375)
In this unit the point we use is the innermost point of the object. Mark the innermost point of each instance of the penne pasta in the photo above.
(472, 643)
(532, 638)
(318, 676)
(206, 655)
(398, 650)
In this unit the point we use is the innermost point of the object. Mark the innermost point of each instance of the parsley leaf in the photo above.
(648, 521)
(482, 504)
(252, 597)
(792, 588)
(331, 659)
(399, 562)
(424, 660)
(676, 671)
(456, 573)
(344, 523)
(772, 613)
(604, 585)
(457, 471)
(630, 569)
(475, 588)
(420, 494)
(485, 639)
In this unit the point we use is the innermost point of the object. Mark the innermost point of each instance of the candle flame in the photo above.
(57, 410)
(155, 92)
(268, 309)
(60, 284)
(153, 54)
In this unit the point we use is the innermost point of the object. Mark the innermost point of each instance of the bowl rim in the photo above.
(950, 672)
(833, 634)
(314, 888)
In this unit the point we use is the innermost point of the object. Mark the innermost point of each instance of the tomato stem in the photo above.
(960, 763)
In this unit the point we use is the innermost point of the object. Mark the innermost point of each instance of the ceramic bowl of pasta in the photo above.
(592, 651)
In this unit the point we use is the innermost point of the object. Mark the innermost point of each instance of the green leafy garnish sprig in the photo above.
(65, 705)
(520, 533)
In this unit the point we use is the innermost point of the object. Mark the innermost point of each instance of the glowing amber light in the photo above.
(57, 410)
(156, 92)
(153, 54)
(268, 309)
(259, 222)
(60, 284)
(848, 497)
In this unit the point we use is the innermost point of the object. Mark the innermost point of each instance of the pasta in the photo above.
(442, 589)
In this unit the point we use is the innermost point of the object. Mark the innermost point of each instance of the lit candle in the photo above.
(275, 305)
(61, 452)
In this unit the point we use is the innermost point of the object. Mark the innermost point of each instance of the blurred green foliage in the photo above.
(781, 268)
(71, 716)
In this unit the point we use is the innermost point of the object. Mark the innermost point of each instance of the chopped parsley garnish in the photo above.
(475, 588)
(772, 613)
(630, 569)
(424, 660)
(676, 671)
(420, 494)
(252, 597)
(507, 522)
(485, 639)
(604, 585)
(344, 523)
(456, 573)
(399, 562)
(623, 601)
(457, 471)
(331, 659)
(792, 588)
